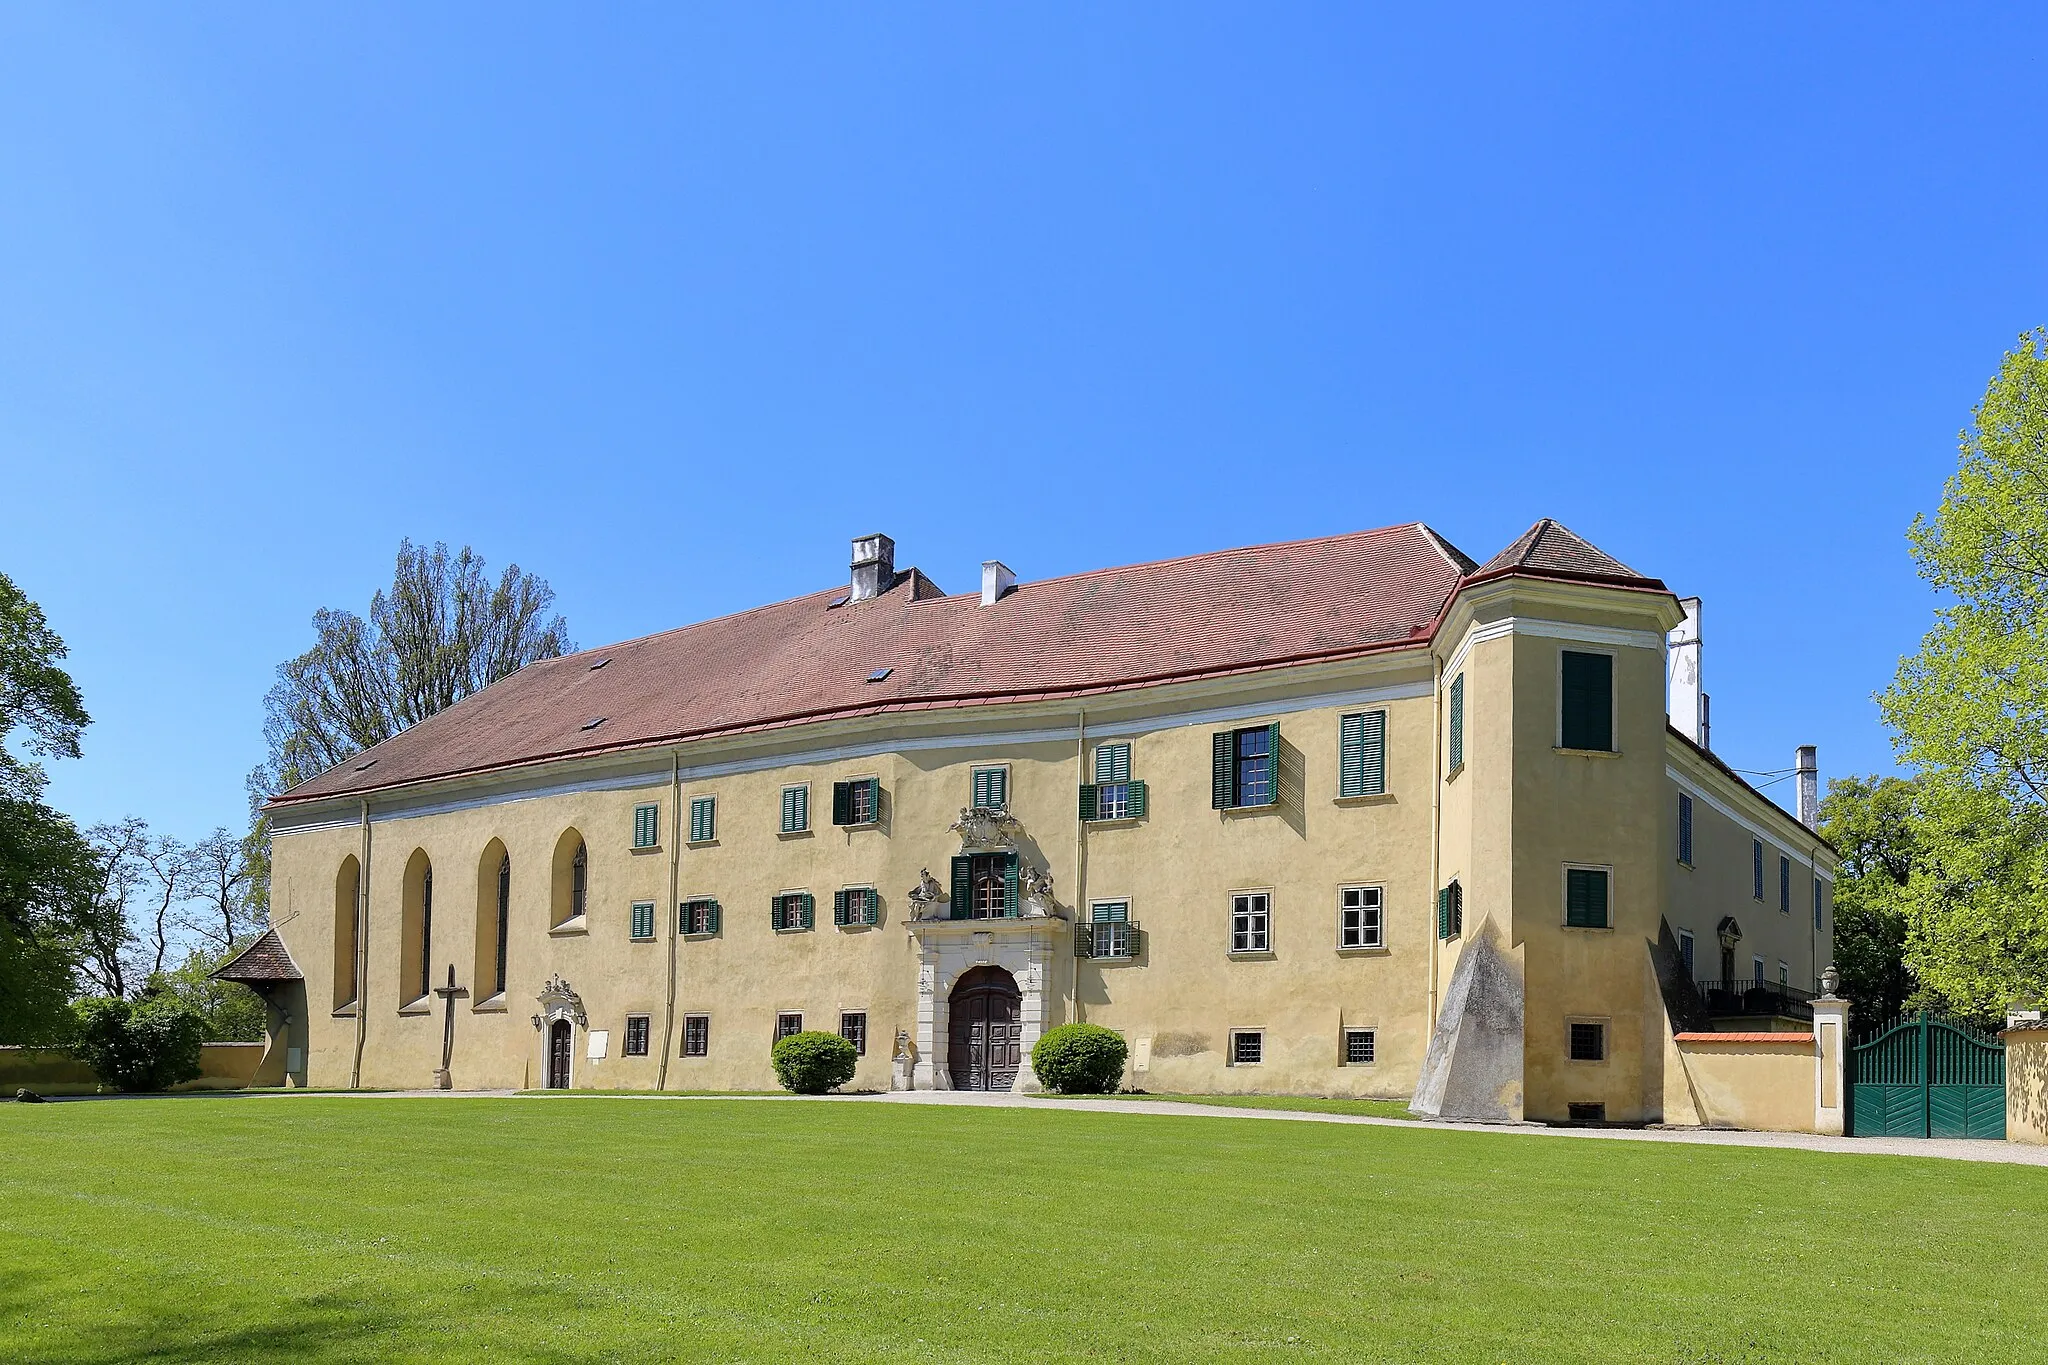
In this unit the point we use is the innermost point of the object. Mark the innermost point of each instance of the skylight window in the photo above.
(600, 663)
(366, 765)
(839, 601)
(880, 674)
(593, 722)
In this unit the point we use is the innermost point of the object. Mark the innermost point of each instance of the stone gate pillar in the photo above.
(1830, 1058)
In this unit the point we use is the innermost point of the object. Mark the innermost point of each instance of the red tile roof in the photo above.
(810, 658)
(1803, 1039)
(1551, 548)
(264, 960)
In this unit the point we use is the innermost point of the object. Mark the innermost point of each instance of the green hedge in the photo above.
(1079, 1059)
(812, 1063)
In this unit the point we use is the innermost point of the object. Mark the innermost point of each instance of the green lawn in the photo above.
(329, 1229)
(1300, 1104)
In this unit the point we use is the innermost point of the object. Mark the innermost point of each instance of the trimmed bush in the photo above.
(1079, 1059)
(812, 1063)
(152, 1044)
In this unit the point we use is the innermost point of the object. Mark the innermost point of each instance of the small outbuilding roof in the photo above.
(262, 962)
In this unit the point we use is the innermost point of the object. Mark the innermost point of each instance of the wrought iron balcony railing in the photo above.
(1747, 996)
(1108, 939)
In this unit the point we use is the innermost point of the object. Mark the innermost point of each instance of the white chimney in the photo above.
(874, 566)
(996, 579)
(1687, 699)
(1807, 764)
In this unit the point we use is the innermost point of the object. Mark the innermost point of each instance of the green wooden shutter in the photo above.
(775, 912)
(646, 826)
(871, 906)
(1457, 722)
(809, 909)
(1588, 701)
(1273, 752)
(1585, 898)
(842, 803)
(716, 915)
(839, 908)
(1010, 885)
(1443, 913)
(1087, 800)
(1222, 791)
(796, 815)
(991, 788)
(874, 786)
(703, 819)
(1137, 791)
(1112, 763)
(963, 884)
(1351, 756)
(1375, 726)
(643, 919)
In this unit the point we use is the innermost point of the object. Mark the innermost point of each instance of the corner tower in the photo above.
(1551, 705)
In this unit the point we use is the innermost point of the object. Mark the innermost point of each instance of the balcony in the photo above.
(1108, 940)
(1748, 998)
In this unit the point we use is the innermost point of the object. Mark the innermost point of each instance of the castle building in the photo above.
(1350, 816)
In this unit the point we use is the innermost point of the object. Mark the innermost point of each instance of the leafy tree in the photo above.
(45, 866)
(1970, 708)
(444, 631)
(151, 1044)
(228, 1011)
(1872, 821)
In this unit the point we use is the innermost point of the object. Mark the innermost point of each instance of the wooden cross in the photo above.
(442, 1079)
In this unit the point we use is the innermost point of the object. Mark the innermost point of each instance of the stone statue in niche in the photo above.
(927, 896)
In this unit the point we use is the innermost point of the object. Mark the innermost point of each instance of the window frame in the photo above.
(1379, 918)
(1371, 1037)
(646, 1023)
(1001, 772)
(859, 1039)
(1784, 885)
(1606, 870)
(802, 791)
(1237, 1037)
(1096, 924)
(714, 920)
(1685, 829)
(1605, 1029)
(707, 805)
(633, 934)
(1265, 916)
(782, 1017)
(1756, 859)
(1613, 697)
(873, 783)
(1366, 786)
(1229, 794)
(843, 915)
(698, 1025)
(804, 906)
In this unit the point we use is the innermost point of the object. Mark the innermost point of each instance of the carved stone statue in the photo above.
(926, 896)
(1037, 895)
(983, 830)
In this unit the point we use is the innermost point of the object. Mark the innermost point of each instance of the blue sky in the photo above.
(665, 303)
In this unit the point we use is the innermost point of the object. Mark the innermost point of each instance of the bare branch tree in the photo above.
(117, 876)
(169, 877)
(218, 909)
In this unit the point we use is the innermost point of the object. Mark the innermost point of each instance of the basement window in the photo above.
(1359, 1046)
(1591, 1115)
(1247, 1047)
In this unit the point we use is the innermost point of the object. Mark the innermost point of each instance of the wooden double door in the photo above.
(560, 1038)
(985, 1040)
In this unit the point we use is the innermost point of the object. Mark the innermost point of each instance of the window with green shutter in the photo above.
(1362, 756)
(1585, 897)
(703, 819)
(1113, 795)
(1450, 911)
(857, 802)
(1685, 829)
(697, 918)
(985, 886)
(856, 905)
(1756, 867)
(1244, 767)
(1784, 885)
(1457, 723)
(643, 919)
(790, 911)
(796, 809)
(1586, 713)
(646, 825)
(991, 788)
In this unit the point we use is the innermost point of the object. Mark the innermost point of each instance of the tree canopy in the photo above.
(1969, 709)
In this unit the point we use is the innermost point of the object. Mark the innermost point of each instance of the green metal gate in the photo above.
(1927, 1077)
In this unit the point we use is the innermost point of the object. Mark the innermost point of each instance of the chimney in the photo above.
(1687, 702)
(996, 580)
(1807, 764)
(874, 566)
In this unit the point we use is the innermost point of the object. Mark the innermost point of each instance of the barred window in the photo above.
(1358, 1046)
(1247, 1047)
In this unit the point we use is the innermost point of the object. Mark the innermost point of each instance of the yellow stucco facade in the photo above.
(379, 898)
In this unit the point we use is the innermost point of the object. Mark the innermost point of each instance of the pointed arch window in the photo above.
(579, 881)
(504, 918)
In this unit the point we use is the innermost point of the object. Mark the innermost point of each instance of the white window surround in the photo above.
(1375, 902)
(1258, 912)
(1259, 1046)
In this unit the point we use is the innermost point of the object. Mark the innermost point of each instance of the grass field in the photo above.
(1299, 1104)
(331, 1229)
